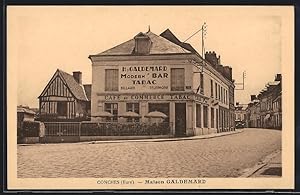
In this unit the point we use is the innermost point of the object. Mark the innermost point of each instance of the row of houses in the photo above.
(265, 109)
(144, 74)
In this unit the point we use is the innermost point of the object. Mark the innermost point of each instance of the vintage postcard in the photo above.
(150, 97)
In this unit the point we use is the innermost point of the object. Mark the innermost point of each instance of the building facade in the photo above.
(264, 110)
(159, 73)
(65, 98)
(240, 113)
(24, 113)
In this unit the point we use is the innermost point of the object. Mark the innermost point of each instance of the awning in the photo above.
(102, 114)
(156, 114)
(130, 114)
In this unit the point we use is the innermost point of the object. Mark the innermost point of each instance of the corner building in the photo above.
(160, 73)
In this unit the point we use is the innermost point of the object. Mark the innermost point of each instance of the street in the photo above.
(225, 156)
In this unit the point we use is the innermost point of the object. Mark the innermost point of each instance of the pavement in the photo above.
(218, 156)
(270, 166)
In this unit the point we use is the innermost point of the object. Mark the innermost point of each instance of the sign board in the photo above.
(149, 97)
(144, 78)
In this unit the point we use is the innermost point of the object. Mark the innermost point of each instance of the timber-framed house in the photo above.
(65, 98)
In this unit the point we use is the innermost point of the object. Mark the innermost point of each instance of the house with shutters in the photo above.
(65, 98)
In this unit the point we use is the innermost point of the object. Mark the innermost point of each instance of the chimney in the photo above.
(211, 57)
(253, 97)
(278, 77)
(77, 76)
(227, 71)
(142, 44)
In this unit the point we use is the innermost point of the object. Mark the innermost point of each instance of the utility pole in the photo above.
(204, 32)
(243, 83)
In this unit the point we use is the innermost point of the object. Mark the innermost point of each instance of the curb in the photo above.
(168, 139)
(147, 140)
(261, 164)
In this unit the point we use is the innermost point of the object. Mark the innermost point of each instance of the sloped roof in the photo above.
(76, 89)
(171, 37)
(88, 91)
(160, 45)
(25, 110)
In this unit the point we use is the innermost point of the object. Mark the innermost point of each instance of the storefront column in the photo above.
(194, 118)
(121, 110)
(209, 116)
(202, 118)
(172, 117)
(189, 118)
(143, 111)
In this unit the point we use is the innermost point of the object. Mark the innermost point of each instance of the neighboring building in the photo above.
(253, 113)
(265, 110)
(65, 98)
(24, 113)
(160, 73)
(240, 112)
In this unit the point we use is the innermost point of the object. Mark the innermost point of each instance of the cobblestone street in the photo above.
(224, 156)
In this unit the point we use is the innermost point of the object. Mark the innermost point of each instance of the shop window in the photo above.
(113, 109)
(177, 79)
(212, 118)
(111, 79)
(133, 107)
(198, 115)
(161, 107)
(205, 117)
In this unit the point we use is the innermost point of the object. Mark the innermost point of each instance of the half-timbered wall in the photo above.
(56, 95)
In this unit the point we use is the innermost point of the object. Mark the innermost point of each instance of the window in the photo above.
(113, 109)
(62, 108)
(202, 82)
(216, 91)
(111, 79)
(212, 118)
(177, 79)
(133, 107)
(198, 115)
(211, 88)
(161, 107)
(219, 95)
(225, 96)
(205, 117)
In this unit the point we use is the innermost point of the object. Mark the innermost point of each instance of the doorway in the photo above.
(180, 119)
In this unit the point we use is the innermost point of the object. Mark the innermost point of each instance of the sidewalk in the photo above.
(169, 139)
(270, 166)
(207, 136)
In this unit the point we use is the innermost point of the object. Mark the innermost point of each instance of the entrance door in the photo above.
(180, 119)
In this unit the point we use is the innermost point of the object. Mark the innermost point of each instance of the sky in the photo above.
(42, 39)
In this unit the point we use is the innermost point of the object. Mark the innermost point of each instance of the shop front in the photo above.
(178, 107)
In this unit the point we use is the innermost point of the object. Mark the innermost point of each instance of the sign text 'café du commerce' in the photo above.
(144, 78)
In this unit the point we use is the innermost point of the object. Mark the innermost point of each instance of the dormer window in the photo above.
(142, 44)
